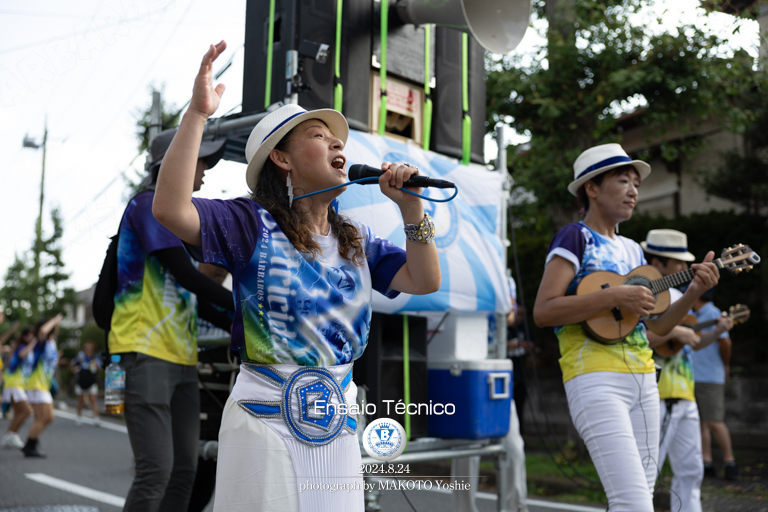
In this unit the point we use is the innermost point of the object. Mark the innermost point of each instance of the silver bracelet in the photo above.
(423, 232)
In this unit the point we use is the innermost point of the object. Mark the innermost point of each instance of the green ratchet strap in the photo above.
(383, 70)
(270, 40)
(427, 131)
(338, 90)
(466, 124)
(406, 377)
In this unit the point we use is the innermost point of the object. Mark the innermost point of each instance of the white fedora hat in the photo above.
(668, 243)
(273, 128)
(600, 159)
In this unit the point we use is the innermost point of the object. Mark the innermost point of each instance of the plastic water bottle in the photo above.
(114, 387)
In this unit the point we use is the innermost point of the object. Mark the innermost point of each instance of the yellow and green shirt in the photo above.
(17, 372)
(589, 252)
(153, 314)
(45, 359)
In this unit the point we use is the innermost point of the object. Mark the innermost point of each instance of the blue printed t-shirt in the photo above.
(676, 380)
(707, 361)
(290, 309)
(45, 359)
(19, 369)
(153, 314)
(84, 362)
(589, 252)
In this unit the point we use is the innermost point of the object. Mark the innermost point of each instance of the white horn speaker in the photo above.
(498, 25)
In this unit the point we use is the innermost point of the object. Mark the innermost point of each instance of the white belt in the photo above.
(310, 401)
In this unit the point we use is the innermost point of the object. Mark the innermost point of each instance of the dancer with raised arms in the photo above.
(279, 249)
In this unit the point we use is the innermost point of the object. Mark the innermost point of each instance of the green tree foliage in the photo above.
(742, 176)
(170, 116)
(27, 299)
(597, 65)
(601, 69)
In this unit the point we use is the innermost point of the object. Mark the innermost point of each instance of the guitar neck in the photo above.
(703, 325)
(677, 279)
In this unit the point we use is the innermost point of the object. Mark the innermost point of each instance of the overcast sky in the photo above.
(88, 66)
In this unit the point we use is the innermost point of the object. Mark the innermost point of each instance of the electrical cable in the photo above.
(372, 180)
(409, 501)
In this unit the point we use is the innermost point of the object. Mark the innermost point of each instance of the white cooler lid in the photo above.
(480, 364)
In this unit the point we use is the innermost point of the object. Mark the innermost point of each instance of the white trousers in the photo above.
(617, 416)
(517, 490)
(682, 442)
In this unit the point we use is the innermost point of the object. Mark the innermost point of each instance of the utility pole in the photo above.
(30, 143)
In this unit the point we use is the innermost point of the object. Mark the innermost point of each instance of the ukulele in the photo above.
(612, 325)
(738, 313)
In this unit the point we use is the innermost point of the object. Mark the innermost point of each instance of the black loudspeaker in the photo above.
(298, 23)
(380, 368)
(447, 112)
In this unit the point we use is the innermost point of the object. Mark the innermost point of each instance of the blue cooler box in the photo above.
(480, 390)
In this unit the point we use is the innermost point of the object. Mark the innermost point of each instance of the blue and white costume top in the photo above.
(294, 313)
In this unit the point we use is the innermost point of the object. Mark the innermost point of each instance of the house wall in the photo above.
(670, 192)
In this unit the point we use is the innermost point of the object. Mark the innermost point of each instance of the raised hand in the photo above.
(206, 97)
(707, 275)
(637, 299)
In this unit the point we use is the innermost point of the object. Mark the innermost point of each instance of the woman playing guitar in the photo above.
(619, 425)
(680, 437)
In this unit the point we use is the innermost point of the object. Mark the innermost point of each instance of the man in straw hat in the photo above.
(611, 388)
(277, 451)
(154, 329)
(680, 438)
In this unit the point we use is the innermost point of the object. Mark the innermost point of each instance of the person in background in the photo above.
(86, 365)
(15, 375)
(611, 388)
(667, 251)
(5, 350)
(45, 358)
(711, 371)
(159, 296)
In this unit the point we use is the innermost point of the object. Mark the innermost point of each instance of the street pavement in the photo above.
(87, 469)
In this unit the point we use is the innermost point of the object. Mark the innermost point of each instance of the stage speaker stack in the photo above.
(303, 26)
(380, 368)
(303, 56)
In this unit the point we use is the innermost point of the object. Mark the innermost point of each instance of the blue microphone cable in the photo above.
(373, 180)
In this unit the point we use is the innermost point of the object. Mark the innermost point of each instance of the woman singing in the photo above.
(611, 389)
(303, 277)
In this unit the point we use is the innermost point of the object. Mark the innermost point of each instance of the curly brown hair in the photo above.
(272, 194)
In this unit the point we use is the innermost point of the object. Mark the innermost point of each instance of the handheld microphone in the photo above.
(359, 171)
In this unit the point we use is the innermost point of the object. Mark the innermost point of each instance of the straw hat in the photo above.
(600, 159)
(273, 128)
(668, 243)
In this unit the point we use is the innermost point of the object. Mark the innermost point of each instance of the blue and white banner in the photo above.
(467, 228)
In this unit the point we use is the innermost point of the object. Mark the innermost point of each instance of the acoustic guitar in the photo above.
(738, 313)
(613, 325)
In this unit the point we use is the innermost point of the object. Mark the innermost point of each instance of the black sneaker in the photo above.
(731, 471)
(30, 449)
(709, 470)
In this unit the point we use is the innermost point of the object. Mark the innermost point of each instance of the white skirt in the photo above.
(14, 395)
(38, 396)
(276, 453)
